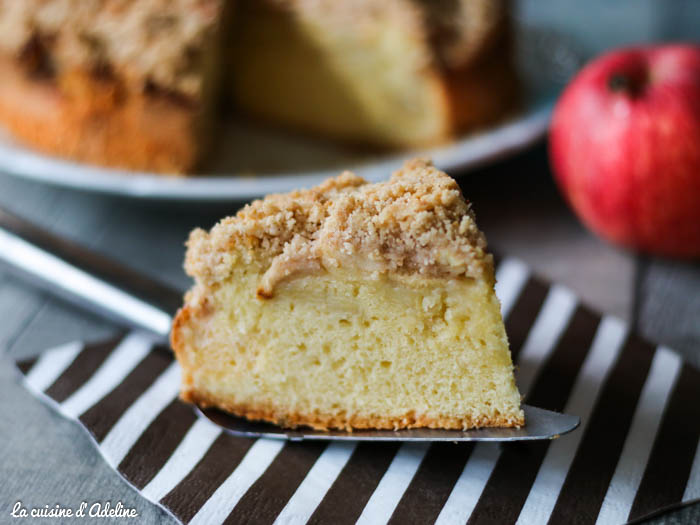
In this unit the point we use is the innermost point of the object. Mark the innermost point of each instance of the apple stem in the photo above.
(619, 82)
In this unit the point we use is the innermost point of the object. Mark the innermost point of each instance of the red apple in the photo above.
(625, 148)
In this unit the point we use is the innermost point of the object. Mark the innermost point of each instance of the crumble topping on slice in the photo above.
(416, 223)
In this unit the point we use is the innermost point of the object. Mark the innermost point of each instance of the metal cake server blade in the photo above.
(540, 424)
(102, 285)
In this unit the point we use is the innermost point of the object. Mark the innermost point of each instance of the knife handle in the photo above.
(86, 278)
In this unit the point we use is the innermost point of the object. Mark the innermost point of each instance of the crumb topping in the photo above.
(161, 42)
(454, 33)
(416, 223)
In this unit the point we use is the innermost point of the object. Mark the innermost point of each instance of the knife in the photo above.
(85, 278)
(97, 283)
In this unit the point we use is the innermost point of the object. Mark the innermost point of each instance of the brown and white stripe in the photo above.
(637, 450)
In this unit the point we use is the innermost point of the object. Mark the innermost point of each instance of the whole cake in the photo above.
(349, 305)
(141, 84)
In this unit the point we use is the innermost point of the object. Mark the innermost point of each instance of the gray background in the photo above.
(45, 459)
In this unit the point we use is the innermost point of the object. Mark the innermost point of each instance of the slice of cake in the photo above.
(349, 305)
(139, 84)
(390, 73)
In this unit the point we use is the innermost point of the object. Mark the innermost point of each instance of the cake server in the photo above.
(99, 284)
(539, 424)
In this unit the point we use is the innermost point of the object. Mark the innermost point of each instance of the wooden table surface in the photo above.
(47, 460)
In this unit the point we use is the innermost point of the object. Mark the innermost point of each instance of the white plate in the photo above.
(260, 161)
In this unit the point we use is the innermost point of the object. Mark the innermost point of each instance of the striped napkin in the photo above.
(636, 451)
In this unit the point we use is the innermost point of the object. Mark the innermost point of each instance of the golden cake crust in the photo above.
(271, 414)
(417, 223)
(97, 120)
